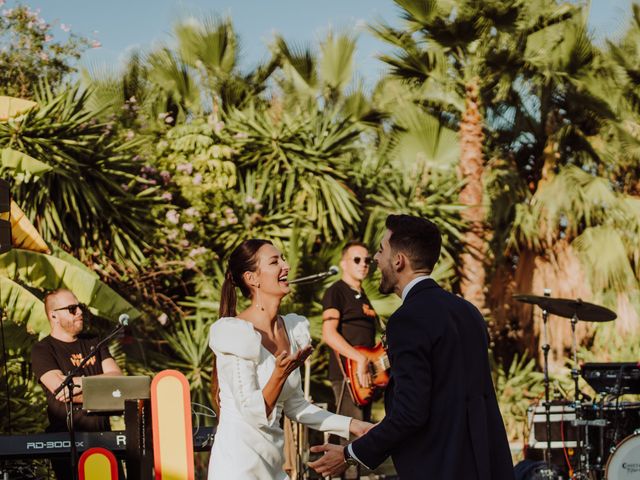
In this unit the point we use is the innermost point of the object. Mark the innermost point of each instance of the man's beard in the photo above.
(386, 284)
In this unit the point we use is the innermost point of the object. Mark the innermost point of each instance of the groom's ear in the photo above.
(400, 262)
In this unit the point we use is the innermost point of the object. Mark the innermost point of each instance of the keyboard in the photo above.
(47, 445)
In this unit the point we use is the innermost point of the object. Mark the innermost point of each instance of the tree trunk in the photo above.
(471, 169)
(518, 326)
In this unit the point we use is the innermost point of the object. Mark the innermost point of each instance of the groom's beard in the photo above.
(387, 284)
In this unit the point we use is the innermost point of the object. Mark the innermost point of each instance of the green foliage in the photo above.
(93, 195)
(517, 388)
(28, 52)
(310, 154)
(24, 390)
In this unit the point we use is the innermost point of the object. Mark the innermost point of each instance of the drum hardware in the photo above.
(575, 310)
(590, 423)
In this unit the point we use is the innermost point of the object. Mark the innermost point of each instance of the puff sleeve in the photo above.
(296, 406)
(237, 347)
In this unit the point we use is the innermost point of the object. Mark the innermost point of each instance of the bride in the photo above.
(258, 355)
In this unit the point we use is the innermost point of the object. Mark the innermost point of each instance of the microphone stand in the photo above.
(69, 385)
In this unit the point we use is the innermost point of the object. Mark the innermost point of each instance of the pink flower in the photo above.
(95, 44)
(190, 264)
(2, 2)
(168, 119)
(48, 38)
(173, 217)
(163, 318)
(218, 126)
(166, 176)
(167, 196)
(172, 235)
(197, 179)
(130, 135)
(184, 243)
(43, 56)
(64, 27)
(187, 227)
(197, 251)
(185, 167)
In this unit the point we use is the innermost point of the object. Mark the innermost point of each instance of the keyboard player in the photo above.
(59, 353)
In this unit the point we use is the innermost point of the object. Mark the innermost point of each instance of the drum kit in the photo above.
(599, 438)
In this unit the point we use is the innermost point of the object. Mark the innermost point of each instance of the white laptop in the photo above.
(107, 394)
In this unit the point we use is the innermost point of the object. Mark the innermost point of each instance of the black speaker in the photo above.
(5, 211)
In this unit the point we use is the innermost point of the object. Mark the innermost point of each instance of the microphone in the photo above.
(123, 319)
(316, 276)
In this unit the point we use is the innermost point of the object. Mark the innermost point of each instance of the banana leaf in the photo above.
(22, 306)
(49, 273)
(22, 163)
(10, 107)
(23, 234)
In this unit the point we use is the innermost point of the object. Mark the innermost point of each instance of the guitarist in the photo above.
(349, 319)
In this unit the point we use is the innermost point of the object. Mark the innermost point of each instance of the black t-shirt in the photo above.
(357, 322)
(52, 354)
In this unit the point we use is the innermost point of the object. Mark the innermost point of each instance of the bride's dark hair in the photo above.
(242, 259)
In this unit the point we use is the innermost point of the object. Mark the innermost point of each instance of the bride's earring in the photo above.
(258, 306)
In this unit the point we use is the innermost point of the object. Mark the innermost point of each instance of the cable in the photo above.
(564, 447)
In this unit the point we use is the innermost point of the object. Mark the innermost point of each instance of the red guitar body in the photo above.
(378, 368)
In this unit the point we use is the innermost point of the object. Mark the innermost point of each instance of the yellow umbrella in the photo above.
(10, 107)
(23, 234)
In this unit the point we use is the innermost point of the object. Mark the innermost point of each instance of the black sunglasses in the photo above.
(72, 308)
(367, 260)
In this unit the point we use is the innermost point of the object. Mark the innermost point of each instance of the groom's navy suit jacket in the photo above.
(442, 419)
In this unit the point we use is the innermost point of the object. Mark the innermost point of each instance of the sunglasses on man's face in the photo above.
(72, 308)
(366, 260)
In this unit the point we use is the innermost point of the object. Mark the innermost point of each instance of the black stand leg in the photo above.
(139, 456)
(73, 454)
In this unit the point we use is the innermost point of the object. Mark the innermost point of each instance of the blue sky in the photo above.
(122, 25)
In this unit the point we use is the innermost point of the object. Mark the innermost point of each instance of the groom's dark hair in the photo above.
(418, 238)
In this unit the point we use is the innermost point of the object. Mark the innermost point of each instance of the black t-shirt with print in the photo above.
(357, 322)
(52, 354)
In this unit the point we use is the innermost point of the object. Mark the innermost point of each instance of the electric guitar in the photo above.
(378, 368)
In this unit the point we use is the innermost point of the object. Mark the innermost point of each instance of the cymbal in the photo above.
(566, 307)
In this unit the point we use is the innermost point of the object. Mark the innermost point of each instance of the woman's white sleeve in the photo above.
(297, 408)
(237, 348)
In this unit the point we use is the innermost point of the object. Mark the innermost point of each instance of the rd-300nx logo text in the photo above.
(52, 444)
(121, 441)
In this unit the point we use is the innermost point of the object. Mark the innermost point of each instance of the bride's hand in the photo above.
(359, 428)
(287, 363)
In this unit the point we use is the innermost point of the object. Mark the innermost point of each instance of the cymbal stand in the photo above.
(547, 472)
(583, 462)
(575, 375)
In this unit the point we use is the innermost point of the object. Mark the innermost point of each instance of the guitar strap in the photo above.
(345, 381)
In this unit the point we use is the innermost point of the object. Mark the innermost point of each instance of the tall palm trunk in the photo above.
(471, 168)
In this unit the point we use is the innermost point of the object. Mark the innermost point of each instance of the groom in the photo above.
(442, 418)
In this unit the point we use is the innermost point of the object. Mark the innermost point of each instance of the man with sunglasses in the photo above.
(348, 320)
(60, 352)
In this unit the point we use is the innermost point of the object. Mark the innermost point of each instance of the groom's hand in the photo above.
(332, 462)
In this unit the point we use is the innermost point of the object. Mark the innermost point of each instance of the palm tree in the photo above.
(464, 58)
(200, 75)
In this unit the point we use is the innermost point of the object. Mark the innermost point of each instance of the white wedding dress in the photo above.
(248, 445)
